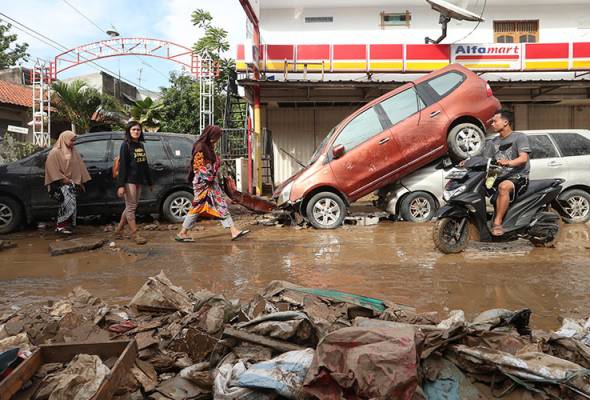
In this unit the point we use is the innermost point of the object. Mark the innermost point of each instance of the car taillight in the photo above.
(489, 90)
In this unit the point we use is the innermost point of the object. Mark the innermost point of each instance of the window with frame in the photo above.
(363, 127)
(572, 144)
(395, 19)
(155, 150)
(542, 147)
(518, 31)
(445, 84)
(95, 150)
(402, 105)
(181, 148)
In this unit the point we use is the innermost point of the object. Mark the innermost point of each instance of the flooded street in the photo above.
(392, 260)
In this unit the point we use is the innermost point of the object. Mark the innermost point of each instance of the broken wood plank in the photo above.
(278, 345)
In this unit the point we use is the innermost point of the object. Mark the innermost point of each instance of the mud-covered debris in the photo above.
(75, 245)
(158, 294)
(20, 341)
(6, 244)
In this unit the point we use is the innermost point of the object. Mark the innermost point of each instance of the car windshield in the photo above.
(318, 150)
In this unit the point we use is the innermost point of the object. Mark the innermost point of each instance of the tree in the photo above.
(77, 102)
(10, 54)
(148, 113)
(180, 105)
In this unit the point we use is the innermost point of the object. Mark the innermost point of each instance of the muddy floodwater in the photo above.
(392, 260)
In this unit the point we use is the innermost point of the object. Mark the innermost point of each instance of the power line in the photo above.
(84, 16)
(60, 47)
(87, 18)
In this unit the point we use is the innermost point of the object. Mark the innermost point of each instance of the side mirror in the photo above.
(338, 151)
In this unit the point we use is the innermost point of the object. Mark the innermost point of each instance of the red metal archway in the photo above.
(125, 47)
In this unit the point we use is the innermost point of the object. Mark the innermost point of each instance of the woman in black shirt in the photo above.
(134, 173)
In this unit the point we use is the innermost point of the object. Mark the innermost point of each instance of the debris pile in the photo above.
(299, 343)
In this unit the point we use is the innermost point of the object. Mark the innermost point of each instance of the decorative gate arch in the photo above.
(125, 47)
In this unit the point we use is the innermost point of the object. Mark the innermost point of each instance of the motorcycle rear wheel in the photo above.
(447, 238)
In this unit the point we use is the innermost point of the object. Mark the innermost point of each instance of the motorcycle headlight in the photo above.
(449, 194)
(285, 194)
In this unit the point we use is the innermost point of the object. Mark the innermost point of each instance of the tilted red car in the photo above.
(388, 138)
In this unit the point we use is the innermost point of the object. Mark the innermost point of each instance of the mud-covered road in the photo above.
(392, 260)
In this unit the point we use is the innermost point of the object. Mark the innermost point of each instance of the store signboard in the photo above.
(495, 56)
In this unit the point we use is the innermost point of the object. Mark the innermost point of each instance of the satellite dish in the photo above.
(447, 12)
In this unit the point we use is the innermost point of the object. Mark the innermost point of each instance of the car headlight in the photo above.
(448, 194)
(285, 194)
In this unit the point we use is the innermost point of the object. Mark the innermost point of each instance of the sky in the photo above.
(159, 19)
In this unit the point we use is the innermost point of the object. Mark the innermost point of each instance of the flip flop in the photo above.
(497, 230)
(241, 234)
(184, 239)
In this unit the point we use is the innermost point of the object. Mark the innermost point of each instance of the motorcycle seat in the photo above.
(538, 185)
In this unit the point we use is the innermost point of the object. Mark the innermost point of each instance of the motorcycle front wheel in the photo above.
(451, 235)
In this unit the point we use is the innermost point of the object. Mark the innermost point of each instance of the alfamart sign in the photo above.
(495, 56)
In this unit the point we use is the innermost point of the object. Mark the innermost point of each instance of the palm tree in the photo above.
(77, 101)
(148, 112)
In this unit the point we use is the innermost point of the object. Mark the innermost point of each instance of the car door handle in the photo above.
(384, 140)
(554, 164)
(95, 170)
(434, 113)
(158, 167)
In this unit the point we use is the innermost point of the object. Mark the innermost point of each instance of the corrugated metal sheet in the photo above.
(299, 131)
(543, 116)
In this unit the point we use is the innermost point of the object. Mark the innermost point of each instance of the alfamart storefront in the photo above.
(305, 89)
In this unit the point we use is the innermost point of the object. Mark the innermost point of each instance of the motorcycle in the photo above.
(529, 216)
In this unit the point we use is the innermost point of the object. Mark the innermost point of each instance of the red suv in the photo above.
(388, 138)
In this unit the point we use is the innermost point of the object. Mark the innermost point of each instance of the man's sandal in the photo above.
(184, 239)
(497, 230)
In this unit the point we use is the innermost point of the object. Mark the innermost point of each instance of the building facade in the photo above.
(321, 60)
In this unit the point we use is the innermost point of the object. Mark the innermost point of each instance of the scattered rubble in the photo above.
(298, 343)
(6, 244)
(76, 245)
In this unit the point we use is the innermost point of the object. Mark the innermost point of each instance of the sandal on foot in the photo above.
(63, 231)
(184, 239)
(138, 239)
(241, 234)
(497, 230)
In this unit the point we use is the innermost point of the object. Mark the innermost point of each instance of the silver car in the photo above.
(556, 153)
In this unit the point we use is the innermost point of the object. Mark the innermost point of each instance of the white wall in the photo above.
(557, 23)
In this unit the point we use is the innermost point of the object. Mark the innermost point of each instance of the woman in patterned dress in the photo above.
(208, 201)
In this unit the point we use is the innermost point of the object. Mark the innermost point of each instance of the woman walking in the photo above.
(208, 201)
(134, 174)
(65, 172)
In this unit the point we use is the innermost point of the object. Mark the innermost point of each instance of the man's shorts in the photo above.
(520, 182)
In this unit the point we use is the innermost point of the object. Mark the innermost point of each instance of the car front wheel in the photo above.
(11, 214)
(576, 206)
(326, 210)
(176, 206)
(465, 140)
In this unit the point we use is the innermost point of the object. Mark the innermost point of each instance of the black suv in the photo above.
(23, 197)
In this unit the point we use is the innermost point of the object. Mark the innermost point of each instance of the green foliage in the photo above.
(180, 105)
(12, 150)
(213, 42)
(148, 113)
(76, 102)
(11, 53)
(201, 18)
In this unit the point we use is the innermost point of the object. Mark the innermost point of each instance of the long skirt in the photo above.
(67, 207)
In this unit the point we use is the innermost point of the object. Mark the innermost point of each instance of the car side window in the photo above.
(542, 147)
(155, 150)
(446, 83)
(93, 151)
(363, 127)
(402, 105)
(181, 148)
(116, 148)
(572, 144)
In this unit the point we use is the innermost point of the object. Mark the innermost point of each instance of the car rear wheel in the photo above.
(176, 206)
(417, 207)
(11, 214)
(465, 140)
(326, 210)
(576, 205)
